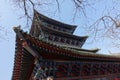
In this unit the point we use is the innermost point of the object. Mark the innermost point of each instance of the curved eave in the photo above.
(76, 55)
(23, 63)
(64, 34)
(80, 49)
(49, 49)
(54, 22)
(90, 50)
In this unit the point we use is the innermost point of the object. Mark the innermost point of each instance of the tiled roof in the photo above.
(24, 60)
(59, 50)
(49, 30)
(54, 22)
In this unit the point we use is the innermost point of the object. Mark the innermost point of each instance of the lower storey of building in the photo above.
(61, 70)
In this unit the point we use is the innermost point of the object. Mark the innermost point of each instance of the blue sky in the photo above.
(9, 17)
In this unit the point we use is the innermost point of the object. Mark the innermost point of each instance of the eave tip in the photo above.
(16, 29)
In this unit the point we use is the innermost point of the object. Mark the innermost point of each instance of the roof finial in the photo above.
(16, 29)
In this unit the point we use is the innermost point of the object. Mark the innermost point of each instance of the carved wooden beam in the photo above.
(24, 42)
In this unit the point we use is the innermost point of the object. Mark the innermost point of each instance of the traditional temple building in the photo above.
(51, 50)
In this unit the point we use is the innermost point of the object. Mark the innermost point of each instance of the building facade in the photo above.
(51, 51)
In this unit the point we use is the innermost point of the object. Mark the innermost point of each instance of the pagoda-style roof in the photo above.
(61, 51)
(41, 25)
(64, 34)
(51, 31)
(29, 48)
(64, 51)
(54, 22)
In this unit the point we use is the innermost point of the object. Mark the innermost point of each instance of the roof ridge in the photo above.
(45, 17)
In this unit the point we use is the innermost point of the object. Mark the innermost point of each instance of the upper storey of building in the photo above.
(54, 23)
(55, 31)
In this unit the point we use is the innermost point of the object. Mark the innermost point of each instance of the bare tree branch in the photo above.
(58, 5)
(105, 26)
